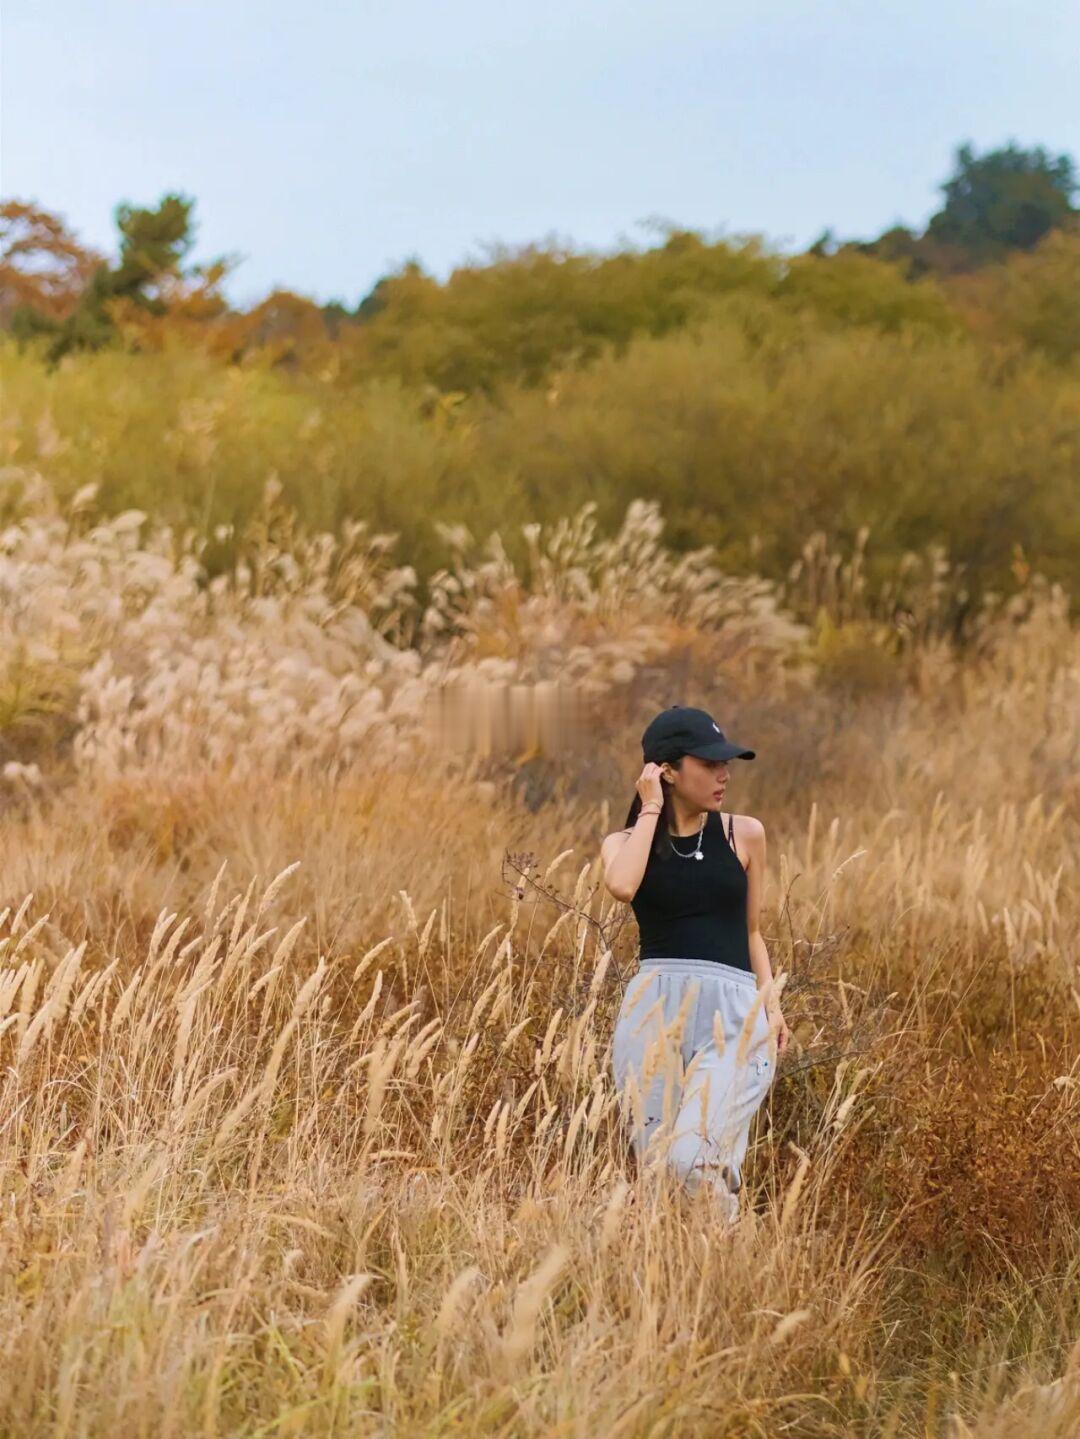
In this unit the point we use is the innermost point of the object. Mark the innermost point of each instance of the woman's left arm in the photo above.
(754, 831)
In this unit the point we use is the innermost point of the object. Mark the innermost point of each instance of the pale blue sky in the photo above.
(328, 142)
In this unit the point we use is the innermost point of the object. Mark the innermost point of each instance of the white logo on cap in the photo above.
(716, 727)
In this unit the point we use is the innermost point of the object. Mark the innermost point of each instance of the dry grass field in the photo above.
(307, 1125)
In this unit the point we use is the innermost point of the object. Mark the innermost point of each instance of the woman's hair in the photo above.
(662, 846)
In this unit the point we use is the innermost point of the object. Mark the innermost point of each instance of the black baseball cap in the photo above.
(681, 729)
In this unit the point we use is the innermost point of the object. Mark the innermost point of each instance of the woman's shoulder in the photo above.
(746, 824)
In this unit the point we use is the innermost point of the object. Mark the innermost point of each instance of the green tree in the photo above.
(1004, 200)
(153, 245)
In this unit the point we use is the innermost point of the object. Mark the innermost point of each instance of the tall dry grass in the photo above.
(307, 1123)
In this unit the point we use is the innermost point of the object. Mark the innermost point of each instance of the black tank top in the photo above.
(695, 908)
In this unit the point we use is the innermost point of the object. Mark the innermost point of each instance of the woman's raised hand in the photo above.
(648, 785)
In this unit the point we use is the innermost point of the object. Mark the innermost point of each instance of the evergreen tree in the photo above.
(1007, 199)
(153, 244)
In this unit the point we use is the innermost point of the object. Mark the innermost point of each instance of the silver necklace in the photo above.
(697, 854)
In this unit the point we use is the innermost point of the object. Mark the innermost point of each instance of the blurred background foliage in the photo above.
(923, 386)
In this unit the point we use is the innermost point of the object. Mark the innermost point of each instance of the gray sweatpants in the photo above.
(693, 1061)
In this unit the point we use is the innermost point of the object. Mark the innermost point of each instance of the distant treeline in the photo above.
(1001, 257)
(923, 386)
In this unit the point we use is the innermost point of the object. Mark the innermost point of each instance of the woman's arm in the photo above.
(754, 831)
(624, 856)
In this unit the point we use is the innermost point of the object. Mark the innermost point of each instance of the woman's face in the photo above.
(700, 783)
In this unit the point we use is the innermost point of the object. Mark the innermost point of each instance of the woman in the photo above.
(693, 1053)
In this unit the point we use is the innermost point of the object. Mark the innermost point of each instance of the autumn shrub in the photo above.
(751, 428)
